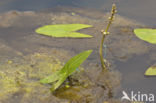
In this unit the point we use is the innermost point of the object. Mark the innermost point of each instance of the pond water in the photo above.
(140, 10)
(130, 60)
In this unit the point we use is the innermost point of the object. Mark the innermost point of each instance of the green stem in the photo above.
(113, 11)
(101, 53)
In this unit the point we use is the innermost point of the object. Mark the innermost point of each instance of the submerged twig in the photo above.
(104, 33)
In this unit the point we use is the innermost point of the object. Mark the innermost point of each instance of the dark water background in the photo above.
(141, 10)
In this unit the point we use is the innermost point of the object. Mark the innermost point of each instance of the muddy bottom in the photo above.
(27, 57)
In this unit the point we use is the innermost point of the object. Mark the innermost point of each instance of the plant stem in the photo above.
(104, 33)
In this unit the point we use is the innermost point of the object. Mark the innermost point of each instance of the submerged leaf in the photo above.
(151, 71)
(61, 75)
(63, 30)
(148, 35)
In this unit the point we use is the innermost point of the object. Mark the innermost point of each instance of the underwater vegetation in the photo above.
(20, 76)
(20, 80)
(68, 30)
(97, 88)
(93, 90)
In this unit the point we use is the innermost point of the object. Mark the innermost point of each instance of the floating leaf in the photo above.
(148, 35)
(64, 30)
(61, 75)
(151, 71)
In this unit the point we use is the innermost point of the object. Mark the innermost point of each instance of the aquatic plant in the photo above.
(151, 71)
(60, 76)
(104, 34)
(68, 30)
(148, 35)
(64, 30)
(145, 34)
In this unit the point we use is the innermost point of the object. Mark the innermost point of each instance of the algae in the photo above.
(19, 79)
(23, 74)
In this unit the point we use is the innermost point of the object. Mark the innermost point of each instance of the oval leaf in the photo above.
(148, 35)
(151, 71)
(63, 30)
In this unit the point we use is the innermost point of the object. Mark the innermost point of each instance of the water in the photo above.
(141, 10)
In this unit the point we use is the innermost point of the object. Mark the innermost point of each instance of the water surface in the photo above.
(140, 10)
(132, 69)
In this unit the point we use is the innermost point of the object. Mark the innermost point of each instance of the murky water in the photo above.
(140, 10)
(133, 58)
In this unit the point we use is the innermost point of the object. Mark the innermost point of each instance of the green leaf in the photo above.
(52, 78)
(151, 71)
(61, 75)
(75, 61)
(63, 30)
(58, 83)
(148, 35)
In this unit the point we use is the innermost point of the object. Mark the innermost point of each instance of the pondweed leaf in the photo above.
(145, 34)
(151, 71)
(60, 76)
(64, 30)
(59, 82)
(52, 78)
